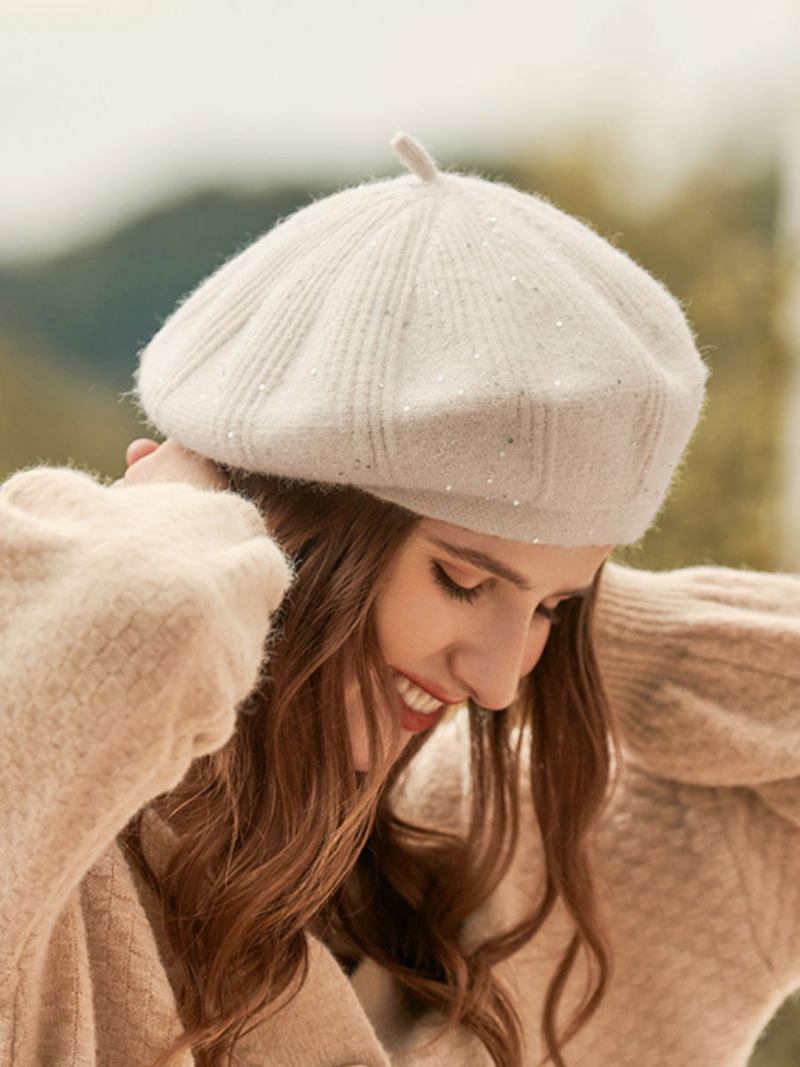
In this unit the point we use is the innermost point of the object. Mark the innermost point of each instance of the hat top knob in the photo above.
(415, 156)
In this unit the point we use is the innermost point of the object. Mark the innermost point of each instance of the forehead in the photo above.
(502, 546)
(527, 566)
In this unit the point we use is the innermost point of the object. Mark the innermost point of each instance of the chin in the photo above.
(359, 746)
(360, 762)
(360, 752)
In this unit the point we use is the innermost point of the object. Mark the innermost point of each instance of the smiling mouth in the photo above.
(416, 722)
(418, 695)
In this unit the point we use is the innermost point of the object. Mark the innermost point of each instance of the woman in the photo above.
(243, 809)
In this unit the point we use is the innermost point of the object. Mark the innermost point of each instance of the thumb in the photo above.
(138, 449)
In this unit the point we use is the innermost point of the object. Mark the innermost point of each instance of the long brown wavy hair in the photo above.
(278, 834)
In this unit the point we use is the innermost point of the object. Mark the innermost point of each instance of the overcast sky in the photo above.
(107, 104)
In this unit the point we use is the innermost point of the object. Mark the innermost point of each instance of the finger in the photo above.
(138, 449)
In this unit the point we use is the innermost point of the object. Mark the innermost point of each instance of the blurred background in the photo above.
(143, 143)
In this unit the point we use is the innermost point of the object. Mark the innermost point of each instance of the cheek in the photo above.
(412, 622)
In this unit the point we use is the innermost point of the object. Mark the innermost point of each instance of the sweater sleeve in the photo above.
(133, 622)
(702, 667)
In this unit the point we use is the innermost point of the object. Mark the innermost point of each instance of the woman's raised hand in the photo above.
(149, 461)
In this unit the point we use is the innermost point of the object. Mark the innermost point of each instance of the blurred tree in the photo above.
(714, 244)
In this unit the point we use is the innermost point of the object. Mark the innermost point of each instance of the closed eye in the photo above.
(469, 596)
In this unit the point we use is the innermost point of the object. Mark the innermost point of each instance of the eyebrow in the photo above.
(494, 566)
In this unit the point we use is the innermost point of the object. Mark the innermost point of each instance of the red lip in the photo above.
(415, 721)
(434, 692)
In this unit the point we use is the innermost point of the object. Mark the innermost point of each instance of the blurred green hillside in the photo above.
(72, 325)
(100, 303)
(54, 411)
(713, 243)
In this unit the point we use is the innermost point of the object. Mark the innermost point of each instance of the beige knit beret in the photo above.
(444, 342)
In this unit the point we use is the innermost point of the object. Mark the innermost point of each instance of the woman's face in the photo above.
(479, 643)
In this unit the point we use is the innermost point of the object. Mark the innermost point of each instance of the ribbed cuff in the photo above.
(640, 627)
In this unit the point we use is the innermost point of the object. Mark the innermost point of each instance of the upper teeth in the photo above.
(415, 697)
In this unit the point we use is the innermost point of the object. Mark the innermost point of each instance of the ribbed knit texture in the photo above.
(132, 624)
(453, 345)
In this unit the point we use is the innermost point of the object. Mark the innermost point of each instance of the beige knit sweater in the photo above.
(133, 620)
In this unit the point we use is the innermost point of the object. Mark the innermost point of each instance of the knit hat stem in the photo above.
(418, 160)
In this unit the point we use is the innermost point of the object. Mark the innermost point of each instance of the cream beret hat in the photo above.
(444, 342)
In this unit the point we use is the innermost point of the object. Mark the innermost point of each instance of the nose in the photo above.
(491, 666)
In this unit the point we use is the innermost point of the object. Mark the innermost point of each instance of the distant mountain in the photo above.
(102, 302)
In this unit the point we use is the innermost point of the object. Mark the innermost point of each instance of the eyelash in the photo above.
(458, 592)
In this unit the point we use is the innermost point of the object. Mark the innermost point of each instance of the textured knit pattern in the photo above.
(453, 345)
(133, 621)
